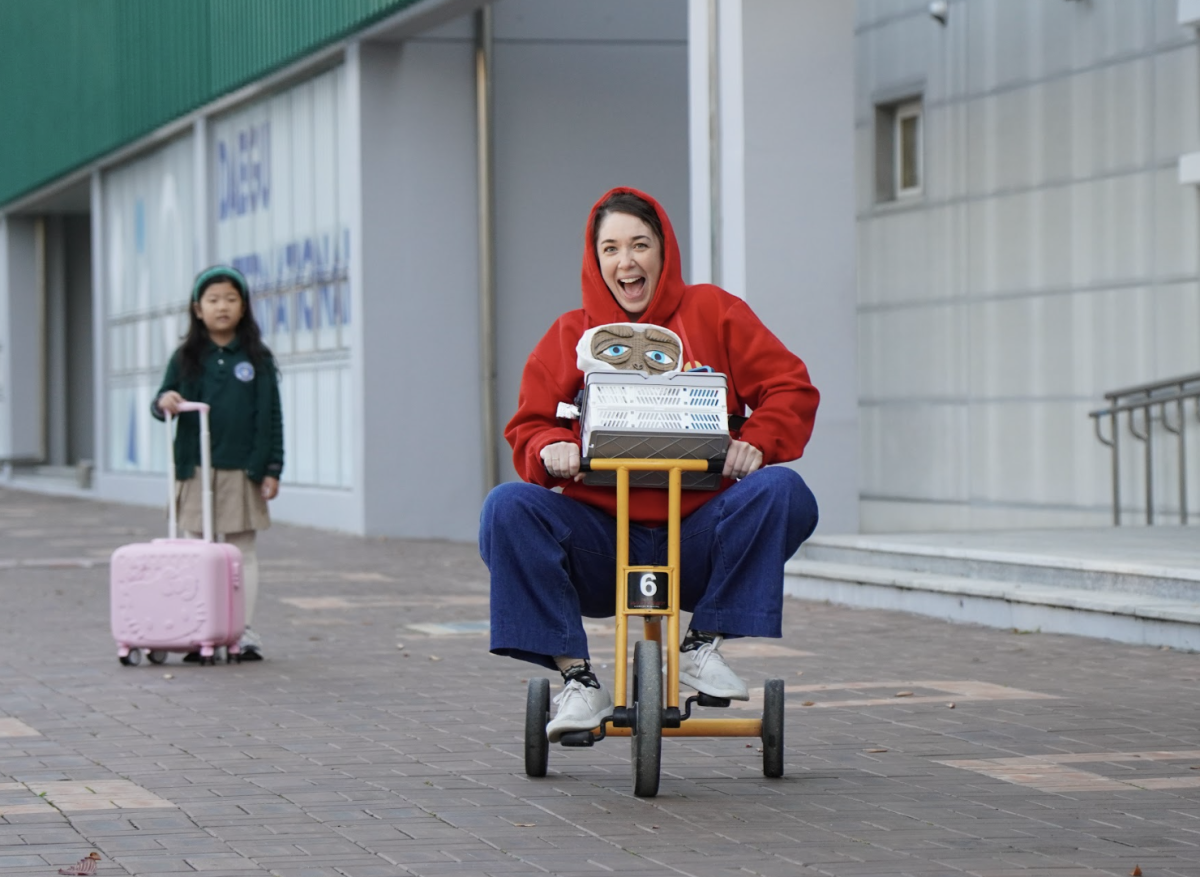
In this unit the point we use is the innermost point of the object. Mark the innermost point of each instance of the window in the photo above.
(899, 163)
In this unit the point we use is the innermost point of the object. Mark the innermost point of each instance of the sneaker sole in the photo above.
(556, 734)
(691, 682)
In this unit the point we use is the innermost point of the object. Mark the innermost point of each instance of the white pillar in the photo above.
(99, 340)
(776, 205)
(717, 144)
(201, 239)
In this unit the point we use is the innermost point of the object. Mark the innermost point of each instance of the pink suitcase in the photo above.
(179, 595)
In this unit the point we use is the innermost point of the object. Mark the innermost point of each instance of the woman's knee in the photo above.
(791, 496)
(511, 501)
(803, 513)
(515, 511)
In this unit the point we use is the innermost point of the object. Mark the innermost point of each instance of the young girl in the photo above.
(224, 363)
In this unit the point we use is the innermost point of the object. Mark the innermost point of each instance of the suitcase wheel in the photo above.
(132, 659)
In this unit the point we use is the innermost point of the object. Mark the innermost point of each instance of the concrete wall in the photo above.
(57, 391)
(588, 96)
(420, 300)
(21, 390)
(1051, 257)
(798, 75)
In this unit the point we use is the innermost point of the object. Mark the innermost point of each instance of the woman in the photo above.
(552, 555)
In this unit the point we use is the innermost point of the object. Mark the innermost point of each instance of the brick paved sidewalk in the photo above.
(373, 742)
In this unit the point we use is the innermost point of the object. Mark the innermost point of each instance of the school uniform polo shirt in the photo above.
(245, 416)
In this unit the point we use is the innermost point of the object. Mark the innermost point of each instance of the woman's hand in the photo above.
(170, 402)
(270, 487)
(741, 459)
(561, 460)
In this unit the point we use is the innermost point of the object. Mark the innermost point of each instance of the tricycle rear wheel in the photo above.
(537, 714)
(772, 728)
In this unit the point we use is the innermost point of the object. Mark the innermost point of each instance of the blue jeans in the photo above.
(553, 560)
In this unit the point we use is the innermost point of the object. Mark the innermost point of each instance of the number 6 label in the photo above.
(647, 589)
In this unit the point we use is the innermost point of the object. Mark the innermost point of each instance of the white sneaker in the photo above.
(580, 707)
(250, 646)
(705, 670)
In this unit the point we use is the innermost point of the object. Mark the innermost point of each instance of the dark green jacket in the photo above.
(245, 416)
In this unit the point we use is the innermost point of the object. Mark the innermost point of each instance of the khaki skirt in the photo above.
(238, 504)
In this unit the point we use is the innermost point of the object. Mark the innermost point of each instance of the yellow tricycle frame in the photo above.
(652, 618)
(654, 711)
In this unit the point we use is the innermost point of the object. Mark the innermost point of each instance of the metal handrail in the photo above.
(1144, 398)
(1153, 387)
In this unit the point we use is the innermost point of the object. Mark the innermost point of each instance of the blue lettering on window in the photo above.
(302, 284)
(244, 172)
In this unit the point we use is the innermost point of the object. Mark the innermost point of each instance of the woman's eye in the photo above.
(659, 357)
(614, 350)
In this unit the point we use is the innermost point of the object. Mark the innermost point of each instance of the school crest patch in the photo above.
(244, 371)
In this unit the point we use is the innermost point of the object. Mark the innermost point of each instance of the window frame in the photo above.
(904, 112)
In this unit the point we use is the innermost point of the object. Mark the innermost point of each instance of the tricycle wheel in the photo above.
(537, 714)
(646, 739)
(772, 728)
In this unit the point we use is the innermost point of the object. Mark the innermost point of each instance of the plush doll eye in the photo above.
(614, 350)
(659, 357)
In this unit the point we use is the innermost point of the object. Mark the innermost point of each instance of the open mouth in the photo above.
(633, 287)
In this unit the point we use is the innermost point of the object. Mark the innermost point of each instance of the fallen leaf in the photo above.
(807, 703)
(655, 827)
(168, 676)
(1136, 872)
(400, 646)
(434, 658)
(903, 694)
(875, 750)
(749, 745)
(525, 824)
(1194, 767)
(86, 865)
(949, 706)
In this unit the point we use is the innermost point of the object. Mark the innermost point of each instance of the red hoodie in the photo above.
(718, 330)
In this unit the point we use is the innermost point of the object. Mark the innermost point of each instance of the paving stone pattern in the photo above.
(347, 754)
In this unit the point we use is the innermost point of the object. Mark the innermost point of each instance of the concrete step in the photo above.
(1090, 589)
(1073, 568)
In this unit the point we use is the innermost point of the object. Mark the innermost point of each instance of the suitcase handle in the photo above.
(205, 471)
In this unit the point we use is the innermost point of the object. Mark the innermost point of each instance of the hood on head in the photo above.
(598, 300)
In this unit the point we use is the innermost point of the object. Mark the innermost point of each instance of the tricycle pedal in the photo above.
(577, 738)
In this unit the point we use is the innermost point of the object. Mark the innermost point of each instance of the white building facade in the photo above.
(1028, 245)
(408, 205)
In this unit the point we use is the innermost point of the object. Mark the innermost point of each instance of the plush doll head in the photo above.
(629, 347)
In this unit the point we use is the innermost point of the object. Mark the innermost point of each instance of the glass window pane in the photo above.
(909, 145)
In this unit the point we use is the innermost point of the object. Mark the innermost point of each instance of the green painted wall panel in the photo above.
(79, 78)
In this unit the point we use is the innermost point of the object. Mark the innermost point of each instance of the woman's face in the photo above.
(631, 260)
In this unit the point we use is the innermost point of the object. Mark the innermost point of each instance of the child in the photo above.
(224, 363)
